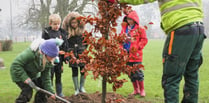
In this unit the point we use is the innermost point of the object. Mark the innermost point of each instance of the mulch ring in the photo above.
(96, 98)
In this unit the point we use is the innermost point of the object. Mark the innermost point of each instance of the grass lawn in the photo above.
(153, 71)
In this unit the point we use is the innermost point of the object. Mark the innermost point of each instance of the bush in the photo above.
(6, 45)
(0, 46)
(1, 63)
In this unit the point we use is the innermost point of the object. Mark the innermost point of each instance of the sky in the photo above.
(6, 16)
(5, 13)
(5, 10)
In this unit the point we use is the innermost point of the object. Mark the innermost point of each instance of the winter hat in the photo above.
(50, 47)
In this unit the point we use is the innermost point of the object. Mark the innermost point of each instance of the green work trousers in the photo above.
(182, 57)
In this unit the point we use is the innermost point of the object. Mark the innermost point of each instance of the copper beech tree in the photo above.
(104, 57)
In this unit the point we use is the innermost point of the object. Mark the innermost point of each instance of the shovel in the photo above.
(49, 93)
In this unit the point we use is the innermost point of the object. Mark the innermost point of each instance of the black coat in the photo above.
(76, 44)
(48, 33)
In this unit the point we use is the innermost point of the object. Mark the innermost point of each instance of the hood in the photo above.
(67, 19)
(66, 26)
(133, 15)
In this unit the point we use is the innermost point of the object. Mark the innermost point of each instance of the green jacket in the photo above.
(175, 13)
(28, 64)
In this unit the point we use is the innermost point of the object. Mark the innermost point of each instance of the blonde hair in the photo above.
(67, 26)
(54, 17)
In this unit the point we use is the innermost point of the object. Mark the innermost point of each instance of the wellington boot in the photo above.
(82, 82)
(76, 87)
(136, 88)
(142, 91)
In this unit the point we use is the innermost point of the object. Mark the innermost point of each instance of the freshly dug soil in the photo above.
(96, 98)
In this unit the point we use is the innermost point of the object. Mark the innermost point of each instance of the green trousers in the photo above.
(182, 57)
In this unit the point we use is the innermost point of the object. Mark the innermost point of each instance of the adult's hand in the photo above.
(53, 97)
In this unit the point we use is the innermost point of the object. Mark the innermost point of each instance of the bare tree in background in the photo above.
(39, 11)
(150, 13)
(36, 16)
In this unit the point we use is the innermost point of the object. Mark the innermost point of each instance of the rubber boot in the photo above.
(136, 88)
(59, 89)
(142, 91)
(82, 82)
(76, 87)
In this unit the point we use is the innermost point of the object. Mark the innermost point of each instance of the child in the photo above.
(54, 31)
(32, 67)
(75, 29)
(136, 38)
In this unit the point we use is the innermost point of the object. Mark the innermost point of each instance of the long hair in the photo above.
(67, 26)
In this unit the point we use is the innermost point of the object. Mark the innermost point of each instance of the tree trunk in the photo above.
(45, 12)
(104, 89)
(61, 8)
(104, 80)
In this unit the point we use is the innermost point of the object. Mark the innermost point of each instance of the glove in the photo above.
(57, 60)
(30, 83)
(59, 41)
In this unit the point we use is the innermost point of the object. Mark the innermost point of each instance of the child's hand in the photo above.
(77, 61)
(66, 62)
(92, 60)
(125, 58)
